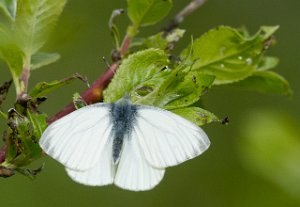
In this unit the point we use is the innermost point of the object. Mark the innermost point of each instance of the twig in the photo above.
(125, 45)
(24, 81)
(21, 95)
(190, 8)
(92, 94)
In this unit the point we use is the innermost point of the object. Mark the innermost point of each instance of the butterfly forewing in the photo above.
(78, 139)
(167, 139)
(101, 174)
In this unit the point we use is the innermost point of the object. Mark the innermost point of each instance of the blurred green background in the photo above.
(254, 161)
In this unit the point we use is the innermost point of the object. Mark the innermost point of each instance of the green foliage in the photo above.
(41, 59)
(265, 82)
(227, 54)
(8, 7)
(141, 70)
(146, 78)
(267, 63)
(23, 36)
(179, 89)
(34, 20)
(78, 101)
(29, 172)
(42, 89)
(197, 115)
(22, 137)
(147, 12)
(222, 56)
(3, 115)
(13, 57)
(38, 122)
(163, 41)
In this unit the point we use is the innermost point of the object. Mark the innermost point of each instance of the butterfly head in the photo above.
(126, 96)
(124, 100)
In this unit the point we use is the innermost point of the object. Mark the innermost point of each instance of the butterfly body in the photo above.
(122, 143)
(123, 117)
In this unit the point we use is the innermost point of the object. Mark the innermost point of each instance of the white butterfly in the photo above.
(121, 143)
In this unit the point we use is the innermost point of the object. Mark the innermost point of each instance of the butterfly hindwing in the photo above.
(167, 139)
(134, 172)
(78, 139)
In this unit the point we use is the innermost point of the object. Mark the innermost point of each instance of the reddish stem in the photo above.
(125, 45)
(24, 81)
(92, 94)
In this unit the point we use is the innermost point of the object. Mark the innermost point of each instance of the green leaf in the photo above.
(180, 89)
(155, 41)
(148, 12)
(267, 31)
(268, 63)
(3, 115)
(31, 149)
(42, 59)
(18, 139)
(265, 82)
(144, 77)
(177, 89)
(162, 41)
(189, 91)
(38, 123)
(13, 57)
(225, 53)
(78, 101)
(29, 172)
(34, 20)
(43, 88)
(196, 115)
(9, 7)
(11, 147)
(23, 137)
(140, 71)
